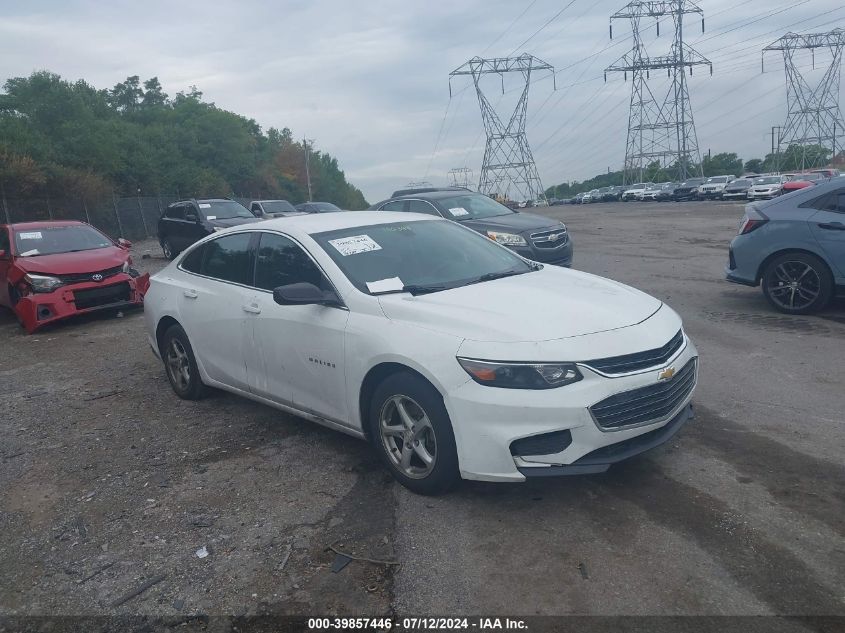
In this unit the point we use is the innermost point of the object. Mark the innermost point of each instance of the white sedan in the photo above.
(452, 355)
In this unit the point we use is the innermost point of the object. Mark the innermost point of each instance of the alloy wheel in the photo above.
(408, 436)
(178, 365)
(794, 285)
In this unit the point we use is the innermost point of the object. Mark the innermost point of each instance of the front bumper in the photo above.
(488, 421)
(603, 458)
(735, 194)
(42, 308)
(763, 195)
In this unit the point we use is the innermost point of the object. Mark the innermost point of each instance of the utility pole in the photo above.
(508, 164)
(660, 128)
(776, 147)
(813, 114)
(460, 177)
(305, 142)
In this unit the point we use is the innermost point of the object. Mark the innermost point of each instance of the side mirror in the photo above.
(303, 294)
(124, 243)
(191, 217)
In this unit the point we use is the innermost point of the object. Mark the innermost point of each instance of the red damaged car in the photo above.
(54, 270)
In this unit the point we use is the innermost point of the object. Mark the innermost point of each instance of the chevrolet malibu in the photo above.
(453, 356)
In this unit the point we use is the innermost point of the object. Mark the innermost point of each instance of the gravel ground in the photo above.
(109, 482)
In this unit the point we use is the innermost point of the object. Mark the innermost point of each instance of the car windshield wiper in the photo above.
(423, 290)
(499, 275)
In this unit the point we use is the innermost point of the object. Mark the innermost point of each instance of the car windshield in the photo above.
(278, 206)
(718, 179)
(417, 257)
(768, 180)
(639, 185)
(742, 182)
(692, 183)
(473, 206)
(59, 239)
(223, 210)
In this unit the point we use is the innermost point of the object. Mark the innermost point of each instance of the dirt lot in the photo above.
(108, 481)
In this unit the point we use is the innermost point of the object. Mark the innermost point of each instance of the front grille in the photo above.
(639, 360)
(80, 277)
(646, 404)
(544, 238)
(102, 296)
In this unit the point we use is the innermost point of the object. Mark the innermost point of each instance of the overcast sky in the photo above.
(368, 80)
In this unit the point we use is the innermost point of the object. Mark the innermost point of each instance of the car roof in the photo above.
(311, 223)
(437, 194)
(273, 200)
(46, 224)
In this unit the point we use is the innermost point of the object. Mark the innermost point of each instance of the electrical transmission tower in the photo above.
(508, 167)
(660, 127)
(460, 177)
(813, 117)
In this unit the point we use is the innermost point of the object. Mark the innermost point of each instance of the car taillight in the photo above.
(749, 224)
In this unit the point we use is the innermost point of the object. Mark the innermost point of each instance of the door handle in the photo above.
(832, 226)
(252, 308)
(190, 293)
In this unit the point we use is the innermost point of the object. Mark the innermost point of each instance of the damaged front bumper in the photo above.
(37, 309)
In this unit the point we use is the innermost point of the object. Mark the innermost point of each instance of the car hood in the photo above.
(90, 261)
(544, 305)
(227, 222)
(513, 222)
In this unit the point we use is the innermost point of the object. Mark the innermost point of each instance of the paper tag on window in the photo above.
(354, 245)
(204, 205)
(211, 217)
(385, 285)
(33, 235)
(34, 251)
(458, 211)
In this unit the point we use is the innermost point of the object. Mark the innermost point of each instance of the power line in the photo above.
(538, 31)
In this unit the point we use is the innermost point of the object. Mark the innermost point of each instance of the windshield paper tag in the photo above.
(385, 285)
(204, 205)
(211, 217)
(459, 211)
(34, 235)
(355, 244)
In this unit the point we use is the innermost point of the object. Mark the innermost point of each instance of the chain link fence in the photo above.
(134, 217)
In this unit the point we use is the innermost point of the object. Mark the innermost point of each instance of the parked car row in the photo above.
(186, 221)
(726, 187)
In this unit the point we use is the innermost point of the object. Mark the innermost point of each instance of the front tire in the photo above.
(797, 283)
(413, 435)
(181, 364)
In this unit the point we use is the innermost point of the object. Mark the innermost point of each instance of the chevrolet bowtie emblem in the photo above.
(666, 374)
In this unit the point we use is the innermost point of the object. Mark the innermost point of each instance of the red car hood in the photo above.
(71, 263)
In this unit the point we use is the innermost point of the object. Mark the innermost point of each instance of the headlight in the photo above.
(521, 375)
(507, 239)
(40, 283)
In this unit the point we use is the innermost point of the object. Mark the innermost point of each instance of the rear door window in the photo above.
(421, 206)
(229, 258)
(176, 212)
(396, 205)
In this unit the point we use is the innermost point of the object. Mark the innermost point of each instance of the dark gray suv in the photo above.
(533, 236)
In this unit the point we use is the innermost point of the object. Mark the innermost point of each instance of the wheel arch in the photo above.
(164, 324)
(374, 377)
(759, 277)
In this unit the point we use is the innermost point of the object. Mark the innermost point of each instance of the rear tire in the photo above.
(181, 364)
(412, 433)
(797, 283)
